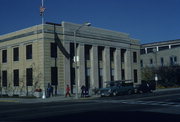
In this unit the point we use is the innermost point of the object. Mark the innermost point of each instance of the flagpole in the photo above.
(42, 19)
(42, 5)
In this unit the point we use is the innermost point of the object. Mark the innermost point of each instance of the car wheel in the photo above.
(129, 92)
(135, 91)
(114, 93)
(140, 92)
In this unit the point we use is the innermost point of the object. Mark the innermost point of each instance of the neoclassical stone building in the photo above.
(42, 54)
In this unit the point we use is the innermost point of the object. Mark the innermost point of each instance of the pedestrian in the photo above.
(86, 92)
(95, 91)
(48, 90)
(51, 90)
(83, 90)
(68, 91)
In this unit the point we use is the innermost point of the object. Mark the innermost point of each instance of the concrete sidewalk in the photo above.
(63, 98)
(166, 89)
(45, 100)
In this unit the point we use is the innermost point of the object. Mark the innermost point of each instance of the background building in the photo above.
(163, 53)
(160, 61)
(32, 58)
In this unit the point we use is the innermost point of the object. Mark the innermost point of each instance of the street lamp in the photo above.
(156, 77)
(75, 55)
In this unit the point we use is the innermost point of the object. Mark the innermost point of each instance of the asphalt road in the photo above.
(145, 107)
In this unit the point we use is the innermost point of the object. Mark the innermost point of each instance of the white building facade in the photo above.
(31, 58)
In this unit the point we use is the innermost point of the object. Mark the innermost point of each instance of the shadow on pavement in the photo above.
(108, 116)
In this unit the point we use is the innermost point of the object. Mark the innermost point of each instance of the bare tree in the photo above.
(148, 73)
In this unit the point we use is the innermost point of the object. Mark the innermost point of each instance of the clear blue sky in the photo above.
(146, 20)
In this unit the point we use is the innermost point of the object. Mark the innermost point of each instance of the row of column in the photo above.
(95, 65)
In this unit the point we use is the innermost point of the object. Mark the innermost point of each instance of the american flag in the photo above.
(42, 9)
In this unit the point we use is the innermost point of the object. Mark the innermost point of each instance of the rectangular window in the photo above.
(72, 76)
(87, 52)
(54, 76)
(163, 48)
(29, 77)
(142, 51)
(100, 53)
(135, 76)
(173, 60)
(112, 52)
(4, 56)
(29, 52)
(162, 61)
(72, 53)
(87, 82)
(134, 57)
(4, 78)
(149, 50)
(123, 54)
(151, 61)
(112, 74)
(100, 77)
(53, 50)
(16, 54)
(16, 77)
(123, 74)
(174, 46)
(141, 63)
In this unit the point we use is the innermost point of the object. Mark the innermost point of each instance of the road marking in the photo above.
(9, 101)
(159, 103)
(151, 97)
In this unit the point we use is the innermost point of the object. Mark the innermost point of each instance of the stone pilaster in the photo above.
(128, 65)
(94, 67)
(106, 65)
(81, 66)
(67, 76)
(117, 64)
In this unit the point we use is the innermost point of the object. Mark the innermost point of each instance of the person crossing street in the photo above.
(68, 91)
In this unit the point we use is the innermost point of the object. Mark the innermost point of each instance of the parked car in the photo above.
(114, 88)
(145, 87)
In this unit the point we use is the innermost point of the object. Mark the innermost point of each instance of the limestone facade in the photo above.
(30, 59)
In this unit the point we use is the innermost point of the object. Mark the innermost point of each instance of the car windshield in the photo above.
(111, 84)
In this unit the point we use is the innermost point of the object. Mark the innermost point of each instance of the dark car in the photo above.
(114, 88)
(145, 87)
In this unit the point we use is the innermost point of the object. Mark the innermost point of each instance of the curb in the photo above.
(61, 98)
(10, 101)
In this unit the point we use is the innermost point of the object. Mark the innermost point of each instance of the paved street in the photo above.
(138, 107)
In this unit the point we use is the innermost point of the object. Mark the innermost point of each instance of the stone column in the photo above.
(106, 65)
(81, 66)
(94, 67)
(10, 84)
(67, 76)
(117, 64)
(128, 65)
(145, 50)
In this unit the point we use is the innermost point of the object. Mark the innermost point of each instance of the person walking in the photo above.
(83, 90)
(51, 90)
(68, 91)
(86, 92)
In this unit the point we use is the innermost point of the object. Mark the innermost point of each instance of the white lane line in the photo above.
(160, 103)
